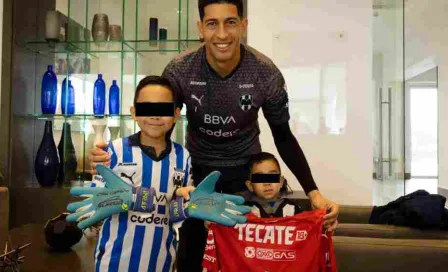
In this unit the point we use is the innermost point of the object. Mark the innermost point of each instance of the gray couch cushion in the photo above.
(379, 255)
(389, 232)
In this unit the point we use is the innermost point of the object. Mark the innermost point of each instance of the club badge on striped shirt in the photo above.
(178, 177)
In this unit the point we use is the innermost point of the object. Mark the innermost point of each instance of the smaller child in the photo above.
(267, 188)
(277, 238)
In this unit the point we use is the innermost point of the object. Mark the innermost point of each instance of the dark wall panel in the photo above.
(28, 204)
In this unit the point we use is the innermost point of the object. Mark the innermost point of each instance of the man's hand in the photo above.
(185, 192)
(320, 202)
(99, 156)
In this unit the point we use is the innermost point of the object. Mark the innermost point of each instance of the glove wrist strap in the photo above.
(177, 211)
(143, 199)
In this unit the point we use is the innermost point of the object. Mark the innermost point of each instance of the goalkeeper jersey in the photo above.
(222, 113)
(134, 241)
(294, 243)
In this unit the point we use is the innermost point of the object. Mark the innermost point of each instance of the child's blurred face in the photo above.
(155, 126)
(267, 191)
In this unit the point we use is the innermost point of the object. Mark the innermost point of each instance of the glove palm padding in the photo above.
(208, 205)
(104, 203)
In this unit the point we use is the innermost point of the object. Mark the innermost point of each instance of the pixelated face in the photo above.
(267, 191)
(155, 127)
(222, 30)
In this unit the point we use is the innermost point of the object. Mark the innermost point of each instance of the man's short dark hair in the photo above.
(203, 3)
(153, 80)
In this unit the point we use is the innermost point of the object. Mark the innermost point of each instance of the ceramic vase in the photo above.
(114, 133)
(67, 156)
(99, 133)
(46, 164)
(52, 26)
(100, 27)
(115, 33)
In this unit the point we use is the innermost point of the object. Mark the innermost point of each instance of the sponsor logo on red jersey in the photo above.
(279, 235)
(270, 254)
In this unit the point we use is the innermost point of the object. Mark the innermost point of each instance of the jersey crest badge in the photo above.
(246, 102)
(178, 177)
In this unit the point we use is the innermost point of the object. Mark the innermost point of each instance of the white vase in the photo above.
(114, 133)
(99, 133)
(52, 26)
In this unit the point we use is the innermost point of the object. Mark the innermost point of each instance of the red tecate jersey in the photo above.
(293, 243)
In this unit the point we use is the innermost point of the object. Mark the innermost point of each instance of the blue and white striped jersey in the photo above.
(136, 241)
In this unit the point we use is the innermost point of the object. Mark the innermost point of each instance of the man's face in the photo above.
(222, 30)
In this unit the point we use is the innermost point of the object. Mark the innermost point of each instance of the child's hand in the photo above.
(185, 192)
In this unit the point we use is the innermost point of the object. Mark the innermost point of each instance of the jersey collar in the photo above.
(211, 70)
(134, 140)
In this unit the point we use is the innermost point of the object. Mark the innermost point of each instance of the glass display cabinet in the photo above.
(123, 40)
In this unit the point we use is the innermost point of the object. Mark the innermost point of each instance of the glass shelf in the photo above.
(102, 47)
(127, 61)
(163, 46)
(82, 117)
(44, 47)
(78, 116)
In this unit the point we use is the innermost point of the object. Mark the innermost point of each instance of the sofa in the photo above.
(363, 247)
(360, 246)
(4, 216)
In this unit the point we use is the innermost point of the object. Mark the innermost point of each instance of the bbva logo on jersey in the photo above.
(246, 102)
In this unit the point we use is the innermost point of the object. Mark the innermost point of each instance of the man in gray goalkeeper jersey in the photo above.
(223, 85)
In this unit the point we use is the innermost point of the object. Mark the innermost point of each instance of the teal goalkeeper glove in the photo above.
(104, 203)
(108, 201)
(208, 205)
(112, 182)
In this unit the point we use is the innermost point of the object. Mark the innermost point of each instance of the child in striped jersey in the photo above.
(134, 241)
(267, 188)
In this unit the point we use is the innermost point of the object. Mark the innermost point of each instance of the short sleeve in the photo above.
(276, 104)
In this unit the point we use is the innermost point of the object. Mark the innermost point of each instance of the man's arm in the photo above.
(293, 156)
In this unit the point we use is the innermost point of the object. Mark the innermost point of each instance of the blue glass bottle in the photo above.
(114, 99)
(99, 96)
(67, 97)
(49, 91)
(46, 164)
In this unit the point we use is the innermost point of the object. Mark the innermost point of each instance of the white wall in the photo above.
(307, 35)
(426, 38)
